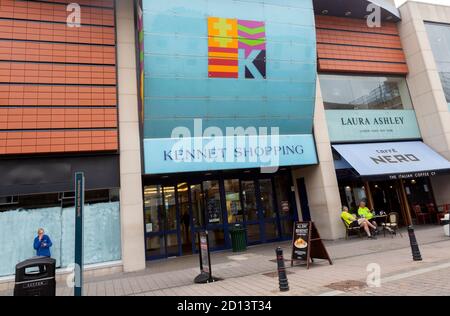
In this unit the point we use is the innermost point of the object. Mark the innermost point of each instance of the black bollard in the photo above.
(414, 246)
(282, 277)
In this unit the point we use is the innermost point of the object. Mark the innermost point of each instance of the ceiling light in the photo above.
(348, 13)
(324, 11)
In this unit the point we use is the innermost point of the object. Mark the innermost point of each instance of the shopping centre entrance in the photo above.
(175, 210)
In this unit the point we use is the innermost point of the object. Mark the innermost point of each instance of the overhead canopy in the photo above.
(400, 160)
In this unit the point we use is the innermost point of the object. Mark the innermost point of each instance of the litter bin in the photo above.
(36, 277)
(238, 238)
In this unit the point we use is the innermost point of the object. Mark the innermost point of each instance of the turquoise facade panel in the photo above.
(179, 87)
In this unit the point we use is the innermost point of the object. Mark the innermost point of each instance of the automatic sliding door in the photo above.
(286, 206)
(161, 222)
(250, 204)
(171, 220)
(269, 214)
(186, 234)
(153, 208)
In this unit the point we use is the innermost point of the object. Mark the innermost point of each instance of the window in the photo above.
(364, 93)
(439, 36)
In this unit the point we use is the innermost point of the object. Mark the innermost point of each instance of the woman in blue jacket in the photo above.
(42, 244)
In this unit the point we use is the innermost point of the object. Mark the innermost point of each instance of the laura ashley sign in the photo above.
(365, 121)
(349, 125)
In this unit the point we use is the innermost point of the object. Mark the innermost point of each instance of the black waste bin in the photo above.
(36, 277)
(238, 238)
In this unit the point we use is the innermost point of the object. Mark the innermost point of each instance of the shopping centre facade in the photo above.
(199, 115)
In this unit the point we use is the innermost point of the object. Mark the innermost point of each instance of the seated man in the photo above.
(364, 212)
(352, 221)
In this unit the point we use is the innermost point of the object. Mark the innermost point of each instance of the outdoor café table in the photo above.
(380, 219)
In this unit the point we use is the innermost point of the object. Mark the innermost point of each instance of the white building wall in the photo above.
(321, 182)
(425, 85)
(131, 202)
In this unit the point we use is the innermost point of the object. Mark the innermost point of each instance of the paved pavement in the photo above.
(252, 272)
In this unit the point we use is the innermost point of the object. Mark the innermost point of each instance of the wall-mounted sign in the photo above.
(166, 155)
(236, 48)
(357, 125)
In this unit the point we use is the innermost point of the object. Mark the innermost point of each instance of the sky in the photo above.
(447, 2)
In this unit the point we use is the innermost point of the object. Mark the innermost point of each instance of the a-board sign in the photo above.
(205, 259)
(205, 264)
(300, 241)
(307, 244)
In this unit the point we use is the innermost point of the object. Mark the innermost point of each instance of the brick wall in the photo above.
(349, 45)
(57, 83)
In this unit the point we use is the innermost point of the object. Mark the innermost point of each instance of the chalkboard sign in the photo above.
(300, 241)
(307, 244)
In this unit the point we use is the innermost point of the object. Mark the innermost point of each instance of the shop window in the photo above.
(439, 36)
(233, 201)
(212, 201)
(198, 217)
(343, 92)
(351, 194)
(153, 205)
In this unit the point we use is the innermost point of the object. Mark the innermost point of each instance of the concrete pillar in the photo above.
(131, 203)
(321, 182)
(425, 85)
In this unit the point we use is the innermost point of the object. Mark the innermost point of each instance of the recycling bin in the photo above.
(36, 277)
(238, 238)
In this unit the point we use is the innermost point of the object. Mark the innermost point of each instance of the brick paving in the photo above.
(243, 273)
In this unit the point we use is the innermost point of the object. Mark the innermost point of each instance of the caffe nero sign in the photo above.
(348, 125)
(395, 160)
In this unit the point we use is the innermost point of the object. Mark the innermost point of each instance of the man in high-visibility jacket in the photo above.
(364, 212)
(351, 221)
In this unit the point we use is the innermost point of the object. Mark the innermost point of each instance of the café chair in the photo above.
(349, 230)
(392, 223)
(442, 210)
(420, 216)
(433, 212)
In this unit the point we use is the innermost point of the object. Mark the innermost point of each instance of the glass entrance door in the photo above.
(162, 222)
(207, 215)
(268, 214)
(260, 213)
(214, 217)
(186, 220)
(251, 209)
